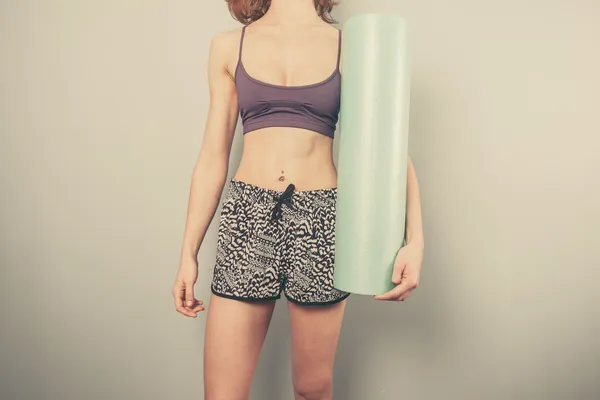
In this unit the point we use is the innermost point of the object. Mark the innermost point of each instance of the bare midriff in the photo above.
(274, 157)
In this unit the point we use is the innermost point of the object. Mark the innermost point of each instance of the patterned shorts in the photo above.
(271, 242)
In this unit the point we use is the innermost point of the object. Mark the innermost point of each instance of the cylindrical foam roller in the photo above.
(372, 152)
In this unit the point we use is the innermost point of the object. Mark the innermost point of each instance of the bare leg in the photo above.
(315, 331)
(235, 333)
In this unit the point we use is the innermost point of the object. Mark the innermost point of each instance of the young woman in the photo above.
(281, 72)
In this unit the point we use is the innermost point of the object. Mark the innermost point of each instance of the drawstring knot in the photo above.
(285, 198)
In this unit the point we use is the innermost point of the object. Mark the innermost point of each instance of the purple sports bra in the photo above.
(314, 107)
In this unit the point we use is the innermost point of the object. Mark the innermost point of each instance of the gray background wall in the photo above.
(102, 108)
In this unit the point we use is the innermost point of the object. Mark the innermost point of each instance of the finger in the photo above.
(189, 295)
(178, 299)
(197, 308)
(395, 293)
(389, 296)
(186, 312)
(178, 295)
(196, 302)
(405, 295)
(181, 308)
(398, 273)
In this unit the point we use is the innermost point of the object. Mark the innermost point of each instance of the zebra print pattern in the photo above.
(258, 258)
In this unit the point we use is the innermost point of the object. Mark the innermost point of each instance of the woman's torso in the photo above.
(275, 156)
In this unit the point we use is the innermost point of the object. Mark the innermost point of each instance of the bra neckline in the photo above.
(240, 64)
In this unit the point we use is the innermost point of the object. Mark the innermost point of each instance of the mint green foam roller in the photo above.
(372, 152)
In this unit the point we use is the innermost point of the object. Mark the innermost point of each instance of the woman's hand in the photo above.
(183, 289)
(407, 269)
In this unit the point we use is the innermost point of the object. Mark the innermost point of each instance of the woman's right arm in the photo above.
(210, 172)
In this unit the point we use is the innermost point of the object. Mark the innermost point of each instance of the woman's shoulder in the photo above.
(226, 39)
(224, 47)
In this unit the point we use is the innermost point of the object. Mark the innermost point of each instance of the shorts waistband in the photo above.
(306, 199)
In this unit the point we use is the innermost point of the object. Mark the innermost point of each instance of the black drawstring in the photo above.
(285, 198)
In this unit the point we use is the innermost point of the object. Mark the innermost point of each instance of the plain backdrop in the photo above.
(102, 111)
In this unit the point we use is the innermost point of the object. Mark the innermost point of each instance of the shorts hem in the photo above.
(245, 299)
(317, 303)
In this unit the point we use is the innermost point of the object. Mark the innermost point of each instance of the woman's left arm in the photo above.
(407, 266)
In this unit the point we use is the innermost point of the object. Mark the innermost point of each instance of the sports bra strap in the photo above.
(241, 42)
(339, 48)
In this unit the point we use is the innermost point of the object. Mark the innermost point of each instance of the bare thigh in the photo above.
(235, 333)
(315, 331)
